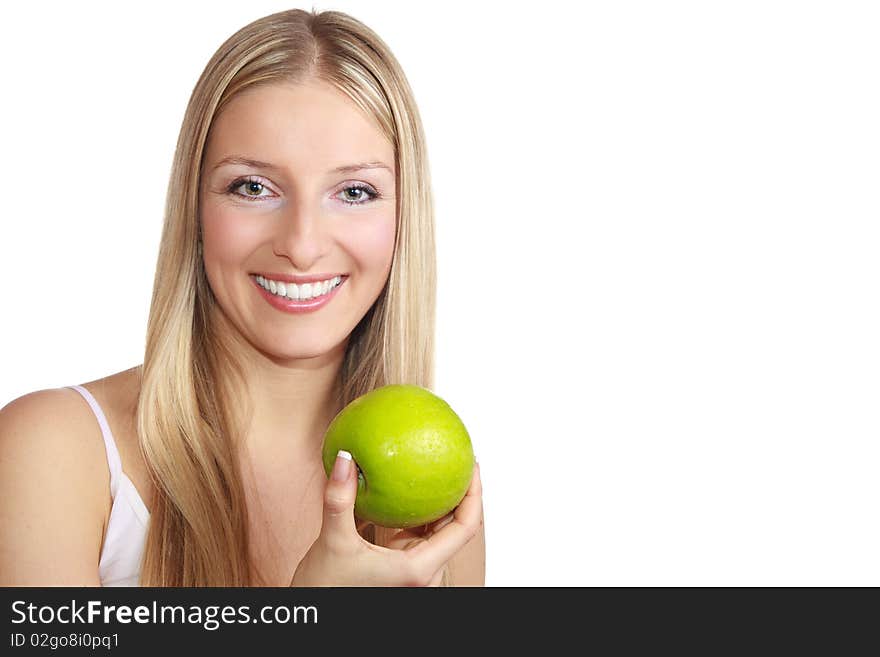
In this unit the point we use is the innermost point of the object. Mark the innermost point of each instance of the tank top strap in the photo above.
(113, 459)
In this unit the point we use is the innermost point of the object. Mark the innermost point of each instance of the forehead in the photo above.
(308, 124)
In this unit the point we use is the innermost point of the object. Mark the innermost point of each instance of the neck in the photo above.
(292, 401)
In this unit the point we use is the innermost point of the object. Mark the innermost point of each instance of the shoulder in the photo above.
(50, 429)
(54, 490)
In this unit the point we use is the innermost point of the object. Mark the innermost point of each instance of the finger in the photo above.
(439, 524)
(339, 497)
(439, 548)
(437, 579)
(406, 538)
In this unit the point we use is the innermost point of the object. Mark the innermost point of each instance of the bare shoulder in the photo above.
(51, 429)
(54, 490)
(118, 396)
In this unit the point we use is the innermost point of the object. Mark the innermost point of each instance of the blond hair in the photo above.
(187, 409)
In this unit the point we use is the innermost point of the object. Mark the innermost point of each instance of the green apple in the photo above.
(413, 453)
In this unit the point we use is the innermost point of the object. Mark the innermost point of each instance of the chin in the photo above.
(306, 349)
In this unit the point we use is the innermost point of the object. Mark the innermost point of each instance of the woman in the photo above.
(295, 273)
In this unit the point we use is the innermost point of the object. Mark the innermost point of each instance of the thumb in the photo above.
(339, 497)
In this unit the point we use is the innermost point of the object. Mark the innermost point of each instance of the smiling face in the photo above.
(284, 199)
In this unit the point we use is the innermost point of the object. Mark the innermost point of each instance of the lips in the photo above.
(301, 292)
(288, 305)
(293, 278)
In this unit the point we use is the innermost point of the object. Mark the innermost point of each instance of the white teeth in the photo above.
(299, 292)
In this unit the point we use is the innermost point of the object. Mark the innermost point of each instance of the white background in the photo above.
(658, 259)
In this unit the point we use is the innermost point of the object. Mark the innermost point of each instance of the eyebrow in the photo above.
(257, 164)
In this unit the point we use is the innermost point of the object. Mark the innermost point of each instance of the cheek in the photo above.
(372, 245)
(226, 236)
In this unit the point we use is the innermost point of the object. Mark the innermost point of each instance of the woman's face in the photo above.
(315, 202)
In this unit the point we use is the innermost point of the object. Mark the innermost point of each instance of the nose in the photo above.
(302, 235)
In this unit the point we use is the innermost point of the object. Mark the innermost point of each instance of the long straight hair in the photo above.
(188, 407)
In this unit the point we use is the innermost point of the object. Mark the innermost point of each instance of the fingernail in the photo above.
(342, 466)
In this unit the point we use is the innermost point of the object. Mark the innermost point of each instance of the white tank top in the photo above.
(123, 547)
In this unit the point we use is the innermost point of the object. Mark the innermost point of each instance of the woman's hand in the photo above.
(341, 557)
